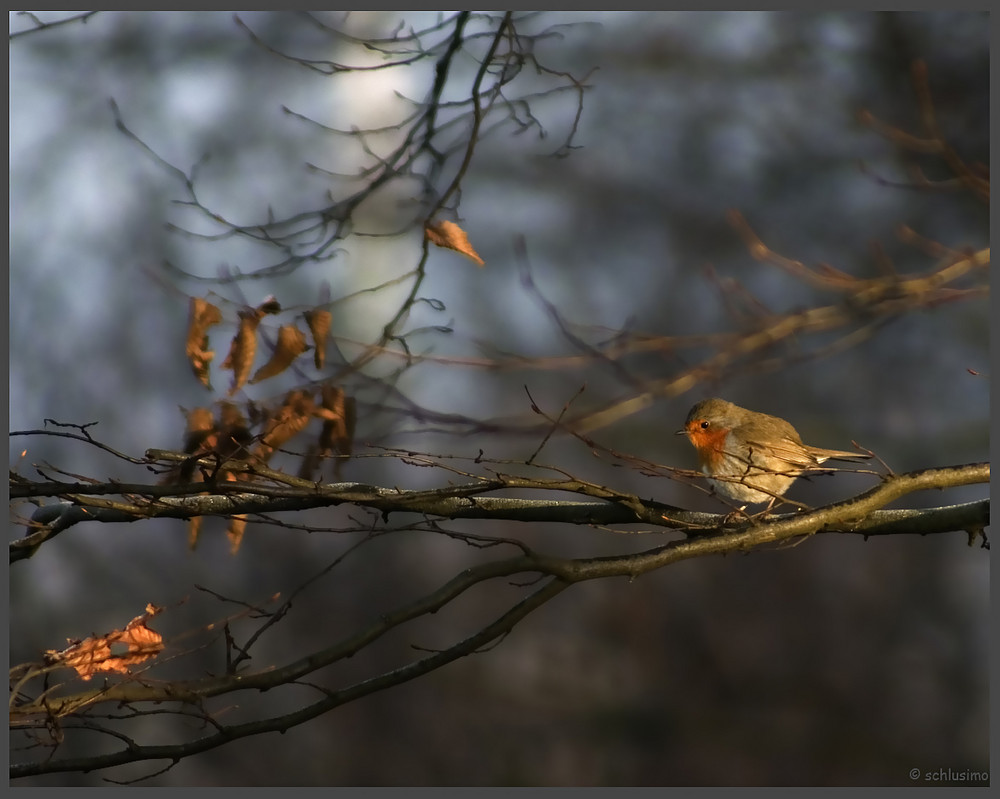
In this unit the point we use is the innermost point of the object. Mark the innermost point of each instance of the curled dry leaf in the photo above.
(290, 420)
(337, 436)
(199, 427)
(93, 655)
(200, 436)
(448, 234)
(318, 320)
(237, 524)
(234, 432)
(194, 528)
(201, 316)
(291, 344)
(338, 432)
(234, 532)
(242, 349)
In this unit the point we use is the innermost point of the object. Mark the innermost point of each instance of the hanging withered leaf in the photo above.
(318, 320)
(337, 436)
(94, 654)
(194, 528)
(201, 316)
(289, 420)
(200, 425)
(200, 436)
(234, 532)
(234, 432)
(291, 344)
(338, 430)
(448, 234)
(242, 349)
(237, 524)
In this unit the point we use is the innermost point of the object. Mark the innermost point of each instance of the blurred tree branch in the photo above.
(862, 305)
(42, 25)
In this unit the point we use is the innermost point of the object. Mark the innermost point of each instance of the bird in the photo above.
(751, 457)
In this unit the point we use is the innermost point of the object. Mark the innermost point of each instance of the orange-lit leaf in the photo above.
(291, 344)
(237, 526)
(448, 234)
(94, 654)
(338, 432)
(200, 426)
(194, 528)
(201, 316)
(290, 420)
(234, 432)
(318, 320)
(242, 349)
(199, 437)
(337, 436)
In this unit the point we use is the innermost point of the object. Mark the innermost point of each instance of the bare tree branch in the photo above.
(859, 515)
(41, 25)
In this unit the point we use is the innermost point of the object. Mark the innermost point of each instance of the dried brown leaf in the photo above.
(201, 316)
(237, 526)
(318, 320)
(337, 436)
(242, 349)
(194, 528)
(290, 420)
(291, 344)
(338, 433)
(199, 427)
(234, 432)
(200, 436)
(93, 655)
(448, 234)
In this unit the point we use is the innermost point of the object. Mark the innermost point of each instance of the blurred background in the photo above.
(836, 662)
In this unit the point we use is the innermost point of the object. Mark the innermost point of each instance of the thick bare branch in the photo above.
(468, 501)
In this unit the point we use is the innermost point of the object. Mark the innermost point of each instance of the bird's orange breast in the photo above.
(710, 444)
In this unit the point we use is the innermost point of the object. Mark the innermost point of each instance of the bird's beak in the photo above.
(681, 432)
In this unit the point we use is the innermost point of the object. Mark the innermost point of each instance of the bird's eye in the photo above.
(704, 425)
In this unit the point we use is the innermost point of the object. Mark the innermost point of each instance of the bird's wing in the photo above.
(788, 450)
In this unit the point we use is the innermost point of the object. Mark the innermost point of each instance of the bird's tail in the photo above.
(836, 455)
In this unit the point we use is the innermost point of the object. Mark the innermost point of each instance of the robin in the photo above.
(751, 457)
